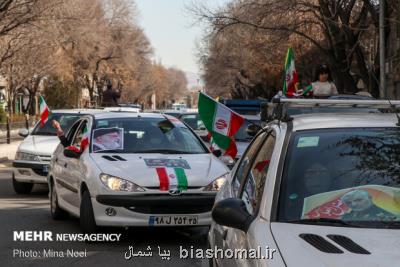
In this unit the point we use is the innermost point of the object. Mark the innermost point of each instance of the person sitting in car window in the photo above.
(362, 208)
(323, 87)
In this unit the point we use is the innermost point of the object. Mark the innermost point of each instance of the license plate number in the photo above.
(173, 220)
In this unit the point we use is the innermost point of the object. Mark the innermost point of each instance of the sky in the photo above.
(169, 27)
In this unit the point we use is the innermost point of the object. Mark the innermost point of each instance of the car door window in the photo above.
(72, 131)
(79, 134)
(245, 163)
(257, 174)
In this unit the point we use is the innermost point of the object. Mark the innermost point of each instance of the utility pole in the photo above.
(382, 87)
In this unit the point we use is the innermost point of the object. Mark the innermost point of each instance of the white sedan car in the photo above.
(313, 190)
(138, 170)
(33, 155)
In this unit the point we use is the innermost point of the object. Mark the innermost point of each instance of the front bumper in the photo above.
(138, 210)
(31, 172)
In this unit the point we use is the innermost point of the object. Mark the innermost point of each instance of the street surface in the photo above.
(31, 213)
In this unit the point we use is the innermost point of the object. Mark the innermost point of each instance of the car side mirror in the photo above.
(202, 128)
(232, 212)
(23, 133)
(253, 129)
(72, 152)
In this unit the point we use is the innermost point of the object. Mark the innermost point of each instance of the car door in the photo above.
(60, 170)
(250, 187)
(75, 168)
(232, 189)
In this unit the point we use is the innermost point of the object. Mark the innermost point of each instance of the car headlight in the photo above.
(119, 184)
(26, 156)
(217, 183)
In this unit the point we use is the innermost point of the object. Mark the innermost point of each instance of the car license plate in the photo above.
(45, 168)
(174, 220)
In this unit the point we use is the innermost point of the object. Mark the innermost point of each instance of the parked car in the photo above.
(32, 159)
(140, 170)
(316, 189)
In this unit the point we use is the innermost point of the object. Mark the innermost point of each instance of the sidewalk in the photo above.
(7, 154)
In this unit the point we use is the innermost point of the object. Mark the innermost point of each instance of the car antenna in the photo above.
(388, 99)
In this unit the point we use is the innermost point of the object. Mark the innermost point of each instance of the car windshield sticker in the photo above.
(108, 139)
(172, 178)
(171, 163)
(362, 203)
(308, 141)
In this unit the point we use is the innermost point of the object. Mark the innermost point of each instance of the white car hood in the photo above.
(204, 168)
(39, 144)
(383, 244)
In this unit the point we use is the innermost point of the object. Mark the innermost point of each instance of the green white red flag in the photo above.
(291, 76)
(44, 111)
(85, 138)
(171, 178)
(221, 122)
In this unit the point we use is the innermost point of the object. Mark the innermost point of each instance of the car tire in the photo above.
(57, 213)
(86, 218)
(21, 187)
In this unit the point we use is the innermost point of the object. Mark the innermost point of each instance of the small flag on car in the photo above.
(85, 138)
(221, 122)
(171, 178)
(44, 111)
(291, 76)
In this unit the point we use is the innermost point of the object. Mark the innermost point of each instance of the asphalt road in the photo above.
(31, 213)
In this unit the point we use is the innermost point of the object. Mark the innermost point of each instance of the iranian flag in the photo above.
(291, 77)
(221, 122)
(85, 138)
(44, 111)
(171, 178)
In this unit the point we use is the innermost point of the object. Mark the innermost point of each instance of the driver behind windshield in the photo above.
(363, 209)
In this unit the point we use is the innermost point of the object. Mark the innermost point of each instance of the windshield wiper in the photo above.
(325, 221)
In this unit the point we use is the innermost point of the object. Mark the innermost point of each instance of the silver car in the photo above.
(313, 190)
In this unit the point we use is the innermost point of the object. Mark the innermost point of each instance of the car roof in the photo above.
(78, 111)
(343, 120)
(111, 115)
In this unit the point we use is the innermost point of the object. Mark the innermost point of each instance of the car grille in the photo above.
(45, 158)
(179, 207)
(163, 209)
(40, 172)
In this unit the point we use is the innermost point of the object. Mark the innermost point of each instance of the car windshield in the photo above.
(65, 120)
(144, 135)
(242, 135)
(346, 175)
(193, 120)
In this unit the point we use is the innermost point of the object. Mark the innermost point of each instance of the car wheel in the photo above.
(21, 187)
(87, 221)
(56, 212)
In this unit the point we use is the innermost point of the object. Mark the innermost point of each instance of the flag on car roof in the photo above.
(221, 122)
(291, 76)
(44, 111)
